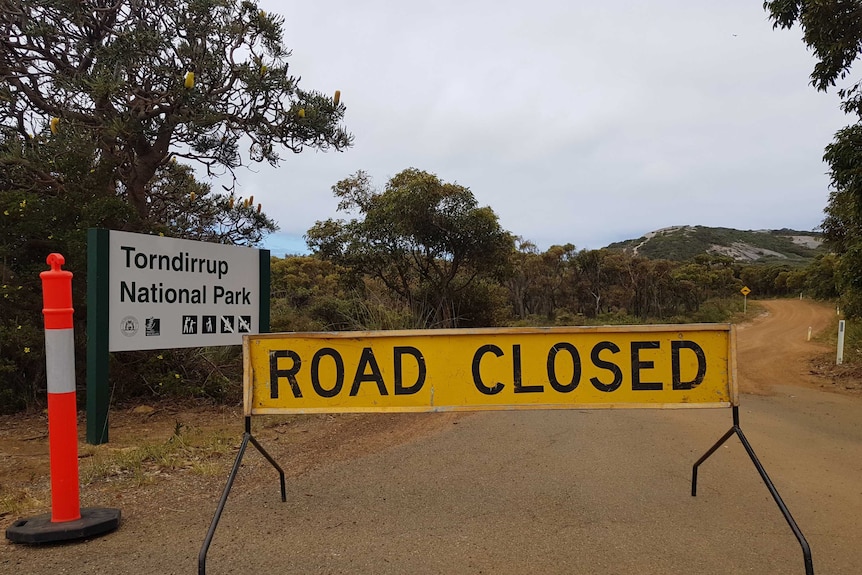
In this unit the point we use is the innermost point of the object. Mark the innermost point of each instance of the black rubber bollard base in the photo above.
(94, 521)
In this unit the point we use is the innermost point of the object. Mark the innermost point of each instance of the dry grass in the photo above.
(18, 501)
(138, 461)
(189, 449)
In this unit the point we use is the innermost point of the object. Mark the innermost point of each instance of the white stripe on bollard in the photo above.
(60, 360)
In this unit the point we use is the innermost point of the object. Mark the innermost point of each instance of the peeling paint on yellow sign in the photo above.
(477, 369)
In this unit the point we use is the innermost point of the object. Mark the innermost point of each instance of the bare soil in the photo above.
(209, 437)
(774, 348)
(784, 345)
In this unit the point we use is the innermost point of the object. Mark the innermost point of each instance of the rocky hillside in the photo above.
(682, 243)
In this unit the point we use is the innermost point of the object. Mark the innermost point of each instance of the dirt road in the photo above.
(594, 492)
(775, 350)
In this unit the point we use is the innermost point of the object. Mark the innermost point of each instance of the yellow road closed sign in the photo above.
(477, 369)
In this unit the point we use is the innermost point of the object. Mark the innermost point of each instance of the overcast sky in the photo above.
(584, 122)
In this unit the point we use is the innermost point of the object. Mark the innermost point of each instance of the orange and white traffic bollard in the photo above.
(62, 409)
(67, 520)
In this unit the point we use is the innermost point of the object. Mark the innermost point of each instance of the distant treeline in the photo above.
(560, 286)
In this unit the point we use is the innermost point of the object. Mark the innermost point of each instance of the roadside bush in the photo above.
(211, 373)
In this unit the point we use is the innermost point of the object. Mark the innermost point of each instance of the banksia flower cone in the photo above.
(54, 123)
(337, 97)
(190, 80)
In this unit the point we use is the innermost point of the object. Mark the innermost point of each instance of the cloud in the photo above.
(576, 122)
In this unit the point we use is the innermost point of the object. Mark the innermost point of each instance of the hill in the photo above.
(681, 243)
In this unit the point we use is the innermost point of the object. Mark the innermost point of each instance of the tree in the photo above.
(833, 31)
(182, 207)
(522, 282)
(310, 294)
(557, 283)
(37, 218)
(843, 222)
(708, 276)
(426, 240)
(594, 280)
(143, 81)
(820, 277)
(98, 101)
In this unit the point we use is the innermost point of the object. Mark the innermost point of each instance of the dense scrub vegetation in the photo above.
(102, 113)
(560, 286)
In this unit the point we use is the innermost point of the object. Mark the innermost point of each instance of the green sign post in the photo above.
(98, 396)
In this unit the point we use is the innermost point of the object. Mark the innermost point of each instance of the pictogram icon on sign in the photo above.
(190, 324)
(227, 323)
(209, 324)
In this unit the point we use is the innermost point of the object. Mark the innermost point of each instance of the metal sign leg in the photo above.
(246, 438)
(736, 430)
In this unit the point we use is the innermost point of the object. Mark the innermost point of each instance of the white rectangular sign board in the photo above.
(171, 293)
